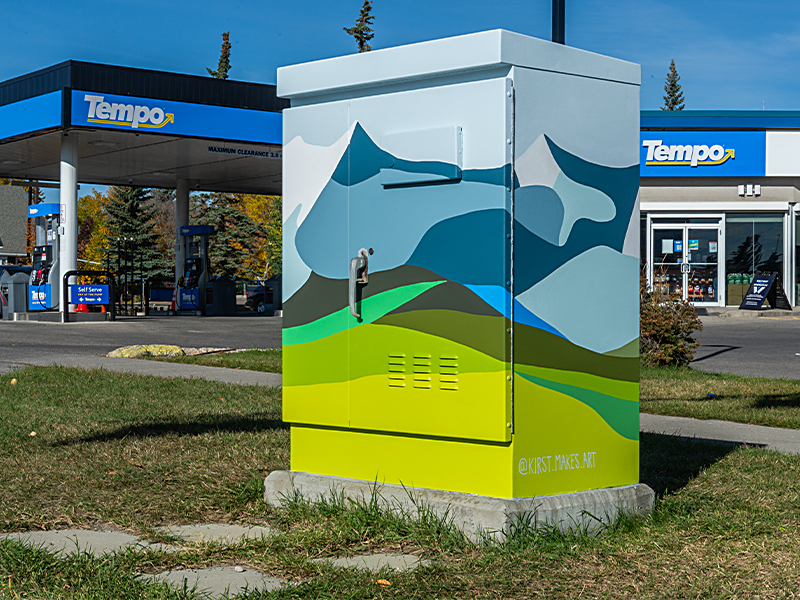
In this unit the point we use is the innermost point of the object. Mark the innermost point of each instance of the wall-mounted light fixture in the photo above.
(749, 189)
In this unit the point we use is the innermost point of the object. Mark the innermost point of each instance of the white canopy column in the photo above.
(68, 259)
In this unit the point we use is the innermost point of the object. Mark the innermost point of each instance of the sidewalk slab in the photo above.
(215, 532)
(217, 582)
(786, 441)
(76, 541)
(156, 369)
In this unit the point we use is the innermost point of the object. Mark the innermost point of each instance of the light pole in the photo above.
(558, 21)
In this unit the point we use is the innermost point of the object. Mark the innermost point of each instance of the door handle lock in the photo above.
(359, 275)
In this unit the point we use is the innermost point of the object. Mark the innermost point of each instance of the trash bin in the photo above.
(272, 294)
(14, 289)
(221, 297)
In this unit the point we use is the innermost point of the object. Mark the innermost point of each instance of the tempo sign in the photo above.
(126, 115)
(99, 110)
(702, 153)
(660, 154)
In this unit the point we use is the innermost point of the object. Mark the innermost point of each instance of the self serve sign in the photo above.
(702, 153)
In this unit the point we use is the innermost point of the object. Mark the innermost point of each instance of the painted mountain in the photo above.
(431, 352)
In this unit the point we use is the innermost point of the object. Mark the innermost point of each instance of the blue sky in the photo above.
(730, 54)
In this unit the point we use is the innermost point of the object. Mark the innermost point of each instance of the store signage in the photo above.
(245, 152)
(765, 287)
(43, 209)
(148, 115)
(702, 153)
(39, 297)
(126, 115)
(189, 298)
(659, 154)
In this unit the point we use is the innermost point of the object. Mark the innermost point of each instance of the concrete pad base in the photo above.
(217, 533)
(376, 562)
(217, 582)
(76, 541)
(476, 516)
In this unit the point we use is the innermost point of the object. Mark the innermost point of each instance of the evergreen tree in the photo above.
(224, 59)
(274, 238)
(131, 218)
(235, 239)
(674, 98)
(163, 202)
(362, 31)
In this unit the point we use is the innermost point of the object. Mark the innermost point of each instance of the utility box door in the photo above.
(424, 184)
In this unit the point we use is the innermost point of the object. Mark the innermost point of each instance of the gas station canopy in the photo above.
(142, 128)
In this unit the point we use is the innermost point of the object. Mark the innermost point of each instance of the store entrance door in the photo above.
(684, 260)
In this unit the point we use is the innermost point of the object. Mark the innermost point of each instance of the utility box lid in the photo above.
(450, 56)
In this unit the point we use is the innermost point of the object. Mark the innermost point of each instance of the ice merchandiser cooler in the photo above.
(461, 266)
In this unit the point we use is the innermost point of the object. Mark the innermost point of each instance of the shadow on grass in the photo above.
(200, 426)
(777, 401)
(668, 463)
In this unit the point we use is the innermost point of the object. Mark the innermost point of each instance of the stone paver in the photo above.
(218, 533)
(217, 582)
(376, 562)
(76, 541)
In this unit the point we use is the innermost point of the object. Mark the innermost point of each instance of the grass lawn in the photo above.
(268, 360)
(685, 393)
(138, 452)
(678, 392)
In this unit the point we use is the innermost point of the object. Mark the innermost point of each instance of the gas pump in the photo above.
(44, 285)
(191, 285)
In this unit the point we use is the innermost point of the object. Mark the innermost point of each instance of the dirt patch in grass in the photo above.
(269, 360)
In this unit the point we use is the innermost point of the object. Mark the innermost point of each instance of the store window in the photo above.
(753, 243)
(797, 259)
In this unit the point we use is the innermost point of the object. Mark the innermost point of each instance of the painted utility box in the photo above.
(461, 266)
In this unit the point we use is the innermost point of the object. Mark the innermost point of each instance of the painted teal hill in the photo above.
(621, 415)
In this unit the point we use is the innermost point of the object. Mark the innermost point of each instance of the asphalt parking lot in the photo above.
(760, 347)
(23, 341)
(764, 346)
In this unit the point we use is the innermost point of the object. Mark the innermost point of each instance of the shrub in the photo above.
(666, 325)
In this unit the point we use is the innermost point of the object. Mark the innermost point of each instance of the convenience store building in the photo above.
(719, 201)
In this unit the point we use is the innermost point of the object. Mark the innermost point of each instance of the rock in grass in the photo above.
(141, 350)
